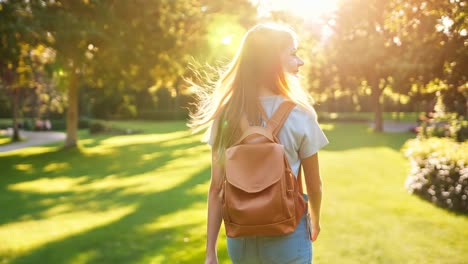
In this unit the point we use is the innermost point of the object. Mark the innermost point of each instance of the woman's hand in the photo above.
(211, 259)
(314, 191)
(315, 231)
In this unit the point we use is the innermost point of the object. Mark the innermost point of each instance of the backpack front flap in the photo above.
(254, 167)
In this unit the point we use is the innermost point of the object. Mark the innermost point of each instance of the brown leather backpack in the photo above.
(261, 196)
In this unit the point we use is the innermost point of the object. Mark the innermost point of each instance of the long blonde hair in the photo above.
(257, 62)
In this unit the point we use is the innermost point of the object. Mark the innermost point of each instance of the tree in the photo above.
(362, 45)
(121, 46)
(442, 27)
(17, 30)
(72, 29)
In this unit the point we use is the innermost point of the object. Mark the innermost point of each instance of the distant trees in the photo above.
(13, 34)
(128, 59)
(405, 48)
(101, 44)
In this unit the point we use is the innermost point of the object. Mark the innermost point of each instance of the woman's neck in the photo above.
(265, 91)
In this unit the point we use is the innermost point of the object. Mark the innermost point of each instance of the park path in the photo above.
(396, 127)
(34, 138)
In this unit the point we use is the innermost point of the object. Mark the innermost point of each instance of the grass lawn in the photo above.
(142, 199)
(4, 139)
(388, 116)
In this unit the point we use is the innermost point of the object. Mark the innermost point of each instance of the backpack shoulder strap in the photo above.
(278, 118)
(299, 179)
(262, 111)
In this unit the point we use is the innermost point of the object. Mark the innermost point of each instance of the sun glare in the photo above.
(226, 40)
(307, 9)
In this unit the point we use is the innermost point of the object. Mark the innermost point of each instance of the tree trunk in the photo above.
(16, 136)
(399, 108)
(376, 93)
(72, 112)
(176, 107)
(8, 76)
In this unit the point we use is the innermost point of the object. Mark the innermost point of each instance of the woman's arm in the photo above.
(214, 212)
(314, 191)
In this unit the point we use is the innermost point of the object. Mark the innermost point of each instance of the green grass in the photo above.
(142, 199)
(389, 116)
(4, 139)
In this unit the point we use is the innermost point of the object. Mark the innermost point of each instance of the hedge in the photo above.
(439, 171)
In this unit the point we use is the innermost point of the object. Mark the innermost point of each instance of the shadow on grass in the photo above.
(24, 194)
(124, 241)
(440, 206)
(81, 168)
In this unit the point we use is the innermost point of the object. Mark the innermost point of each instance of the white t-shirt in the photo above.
(300, 134)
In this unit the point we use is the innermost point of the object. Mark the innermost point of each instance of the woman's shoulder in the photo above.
(304, 114)
(299, 112)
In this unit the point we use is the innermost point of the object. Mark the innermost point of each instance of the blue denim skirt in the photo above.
(294, 248)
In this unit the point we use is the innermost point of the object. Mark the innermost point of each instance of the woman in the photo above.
(264, 70)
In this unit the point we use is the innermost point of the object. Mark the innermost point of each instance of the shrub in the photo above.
(164, 115)
(83, 123)
(98, 127)
(439, 171)
(440, 123)
(29, 124)
(58, 124)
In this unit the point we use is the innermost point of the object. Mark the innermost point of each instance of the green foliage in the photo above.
(447, 125)
(439, 171)
(57, 124)
(61, 124)
(164, 115)
(123, 47)
(101, 127)
(398, 46)
(443, 124)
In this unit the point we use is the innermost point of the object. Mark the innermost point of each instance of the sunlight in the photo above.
(55, 166)
(48, 185)
(22, 236)
(226, 40)
(4, 140)
(182, 234)
(327, 126)
(125, 140)
(26, 167)
(30, 151)
(307, 9)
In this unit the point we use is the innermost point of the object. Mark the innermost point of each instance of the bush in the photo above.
(164, 115)
(99, 127)
(441, 124)
(439, 171)
(56, 124)
(4, 126)
(462, 133)
(83, 123)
